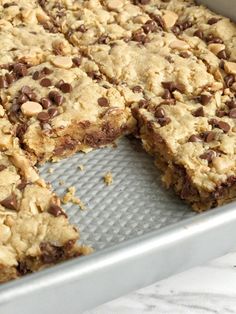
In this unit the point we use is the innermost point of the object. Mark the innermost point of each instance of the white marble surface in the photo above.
(207, 289)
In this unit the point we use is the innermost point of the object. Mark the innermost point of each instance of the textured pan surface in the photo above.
(135, 204)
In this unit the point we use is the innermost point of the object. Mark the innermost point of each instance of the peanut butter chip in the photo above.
(179, 45)
(31, 108)
(114, 4)
(169, 19)
(62, 62)
(216, 48)
(230, 67)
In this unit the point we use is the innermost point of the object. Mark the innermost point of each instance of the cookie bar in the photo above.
(29, 44)
(34, 230)
(162, 59)
(193, 141)
(95, 22)
(58, 108)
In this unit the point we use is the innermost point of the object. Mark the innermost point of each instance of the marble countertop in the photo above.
(206, 289)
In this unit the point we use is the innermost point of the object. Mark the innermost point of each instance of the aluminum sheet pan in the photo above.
(224, 7)
(141, 232)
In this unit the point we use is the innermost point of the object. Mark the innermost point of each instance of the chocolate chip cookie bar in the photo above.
(34, 230)
(59, 108)
(95, 22)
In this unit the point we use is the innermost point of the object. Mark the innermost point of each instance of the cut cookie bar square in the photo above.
(83, 22)
(194, 145)
(162, 59)
(96, 22)
(63, 106)
(34, 230)
(29, 44)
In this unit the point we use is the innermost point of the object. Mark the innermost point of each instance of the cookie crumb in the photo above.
(108, 179)
(50, 170)
(61, 182)
(81, 167)
(70, 197)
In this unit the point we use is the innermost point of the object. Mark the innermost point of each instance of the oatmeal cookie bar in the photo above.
(64, 105)
(34, 230)
(95, 22)
(193, 142)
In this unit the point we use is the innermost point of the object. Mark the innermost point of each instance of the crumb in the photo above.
(61, 182)
(81, 167)
(108, 179)
(50, 170)
(70, 197)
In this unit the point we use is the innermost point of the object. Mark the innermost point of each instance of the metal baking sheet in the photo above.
(224, 7)
(141, 232)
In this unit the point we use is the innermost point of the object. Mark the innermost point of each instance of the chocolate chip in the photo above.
(167, 94)
(53, 112)
(50, 253)
(103, 102)
(213, 20)
(159, 113)
(229, 80)
(36, 75)
(3, 82)
(32, 96)
(45, 82)
(43, 116)
(158, 19)
(10, 202)
(21, 129)
(164, 121)
(224, 126)
(20, 69)
(2, 167)
(55, 210)
(220, 113)
(209, 136)
(195, 138)
(77, 61)
(23, 269)
(199, 112)
(172, 86)
(104, 39)
(185, 25)
(94, 75)
(205, 99)
(198, 33)
(231, 103)
(184, 54)
(137, 89)
(56, 97)
(232, 113)
(22, 99)
(46, 71)
(66, 88)
(208, 155)
(176, 30)
(10, 78)
(222, 55)
(216, 40)
(45, 102)
(26, 90)
(149, 27)
(143, 103)
(22, 185)
(81, 28)
(140, 37)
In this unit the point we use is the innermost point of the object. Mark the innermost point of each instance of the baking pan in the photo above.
(141, 232)
(224, 7)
